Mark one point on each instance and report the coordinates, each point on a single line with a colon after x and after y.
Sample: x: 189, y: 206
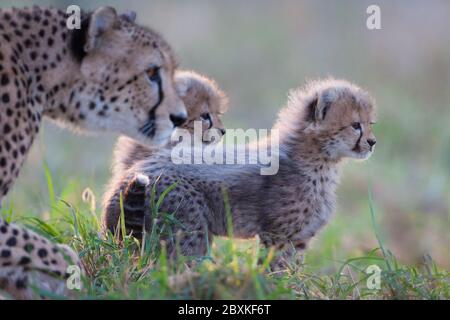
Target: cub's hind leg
x: 136, y: 206
x: 180, y: 219
x: 132, y: 192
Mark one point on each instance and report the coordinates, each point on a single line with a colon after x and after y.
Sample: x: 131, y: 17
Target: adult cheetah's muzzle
x: 178, y: 119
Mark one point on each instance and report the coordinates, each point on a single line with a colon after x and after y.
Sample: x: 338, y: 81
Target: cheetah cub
x: 205, y: 103
x: 321, y: 125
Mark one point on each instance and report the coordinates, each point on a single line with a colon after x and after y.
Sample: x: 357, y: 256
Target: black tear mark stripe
x: 152, y: 115
x: 160, y: 98
x: 359, y: 139
x: 210, y: 121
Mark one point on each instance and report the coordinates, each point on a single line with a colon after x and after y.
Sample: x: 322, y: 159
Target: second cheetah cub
x: 321, y: 125
x: 205, y: 105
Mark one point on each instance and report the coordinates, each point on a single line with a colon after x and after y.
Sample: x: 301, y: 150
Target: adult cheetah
x: 109, y: 75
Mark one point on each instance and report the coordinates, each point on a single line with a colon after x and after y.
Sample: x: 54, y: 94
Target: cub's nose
x: 223, y: 131
x: 178, y: 119
x: 371, y: 142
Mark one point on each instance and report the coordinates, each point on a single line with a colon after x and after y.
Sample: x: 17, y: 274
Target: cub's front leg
x: 289, y: 255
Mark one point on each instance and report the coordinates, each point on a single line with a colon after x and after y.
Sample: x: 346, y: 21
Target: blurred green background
x: 257, y: 51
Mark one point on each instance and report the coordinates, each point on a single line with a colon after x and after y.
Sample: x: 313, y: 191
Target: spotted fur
x: 205, y: 103
x: 317, y: 131
x: 30, y: 262
x: 110, y: 75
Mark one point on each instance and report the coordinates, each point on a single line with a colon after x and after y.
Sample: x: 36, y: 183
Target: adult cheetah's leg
x: 28, y: 260
x: 13, y: 281
x: 24, y: 284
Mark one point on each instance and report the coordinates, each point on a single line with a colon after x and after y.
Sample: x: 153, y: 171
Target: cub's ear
x: 311, y: 110
x: 183, y: 83
x: 102, y: 20
x: 129, y: 16
x: 324, y: 101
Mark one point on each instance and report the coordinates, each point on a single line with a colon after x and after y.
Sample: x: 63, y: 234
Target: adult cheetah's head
x: 129, y: 69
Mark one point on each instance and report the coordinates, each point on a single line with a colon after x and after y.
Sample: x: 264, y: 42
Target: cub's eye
x: 356, y: 125
x: 205, y: 116
x: 153, y: 74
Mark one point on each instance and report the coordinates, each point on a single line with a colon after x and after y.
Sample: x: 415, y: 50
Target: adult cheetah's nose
x: 223, y: 131
x: 178, y: 119
x: 371, y: 142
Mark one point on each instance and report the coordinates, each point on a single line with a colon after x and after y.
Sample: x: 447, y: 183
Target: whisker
x: 147, y: 128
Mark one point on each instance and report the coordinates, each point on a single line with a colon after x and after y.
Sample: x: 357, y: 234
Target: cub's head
x: 338, y: 116
x: 205, y: 104
x: 128, y: 78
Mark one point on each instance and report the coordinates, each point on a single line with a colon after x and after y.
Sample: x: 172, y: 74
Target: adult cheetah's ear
x: 102, y: 20
x: 129, y: 16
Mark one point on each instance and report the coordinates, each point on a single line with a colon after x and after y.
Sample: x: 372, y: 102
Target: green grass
x: 409, y: 171
x: 233, y: 269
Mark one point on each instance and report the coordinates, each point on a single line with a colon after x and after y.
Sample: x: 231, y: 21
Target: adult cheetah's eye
x: 153, y: 74
x: 356, y: 125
